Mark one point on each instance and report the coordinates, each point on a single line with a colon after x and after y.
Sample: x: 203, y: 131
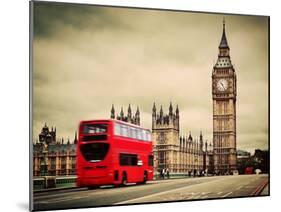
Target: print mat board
x: 143, y: 106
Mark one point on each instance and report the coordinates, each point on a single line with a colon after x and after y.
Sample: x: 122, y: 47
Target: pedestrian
x: 168, y: 173
x: 163, y: 174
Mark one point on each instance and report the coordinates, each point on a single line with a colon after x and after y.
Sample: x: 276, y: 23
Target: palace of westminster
x: 172, y: 150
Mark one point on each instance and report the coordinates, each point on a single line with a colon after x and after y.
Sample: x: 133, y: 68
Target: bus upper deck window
x: 144, y: 135
x: 139, y: 134
x: 148, y: 135
x: 133, y: 132
x: 124, y: 130
x: 130, y: 132
x: 117, y: 128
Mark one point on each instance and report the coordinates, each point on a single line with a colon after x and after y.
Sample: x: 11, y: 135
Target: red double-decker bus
x: 112, y: 152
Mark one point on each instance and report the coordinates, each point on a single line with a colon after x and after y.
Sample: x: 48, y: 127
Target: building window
x: 162, y: 138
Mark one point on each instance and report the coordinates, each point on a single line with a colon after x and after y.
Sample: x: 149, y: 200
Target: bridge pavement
x: 155, y: 191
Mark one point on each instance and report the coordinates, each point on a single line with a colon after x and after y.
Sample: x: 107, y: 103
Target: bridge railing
x: 45, y: 182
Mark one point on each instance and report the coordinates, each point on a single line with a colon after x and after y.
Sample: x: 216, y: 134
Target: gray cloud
x: 88, y: 58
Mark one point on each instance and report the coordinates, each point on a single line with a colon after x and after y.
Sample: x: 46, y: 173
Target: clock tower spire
x: 223, y: 43
x: 224, y: 110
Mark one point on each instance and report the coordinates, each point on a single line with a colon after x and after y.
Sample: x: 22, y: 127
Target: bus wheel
x: 124, y: 179
x: 144, y: 178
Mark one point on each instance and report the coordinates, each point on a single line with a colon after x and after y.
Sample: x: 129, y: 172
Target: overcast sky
x: 87, y: 58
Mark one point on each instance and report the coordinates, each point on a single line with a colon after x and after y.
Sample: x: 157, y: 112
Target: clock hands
x: 222, y: 85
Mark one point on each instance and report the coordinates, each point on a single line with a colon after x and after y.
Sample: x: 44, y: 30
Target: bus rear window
x: 94, y: 128
x: 94, y: 152
x: 98, y: 137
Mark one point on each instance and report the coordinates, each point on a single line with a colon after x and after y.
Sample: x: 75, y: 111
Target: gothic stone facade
x: 224, y: 110
x: 130, y: 118
x: 179, y: 154
x: 58, y: 157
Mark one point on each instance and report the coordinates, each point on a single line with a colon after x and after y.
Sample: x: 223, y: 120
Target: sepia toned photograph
x: 137, y: 105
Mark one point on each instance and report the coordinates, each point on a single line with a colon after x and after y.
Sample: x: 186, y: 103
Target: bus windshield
x: 94, y: 128
x: 94, y: 152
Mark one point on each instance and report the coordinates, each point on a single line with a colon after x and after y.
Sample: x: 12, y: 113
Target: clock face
x: 222, y: 85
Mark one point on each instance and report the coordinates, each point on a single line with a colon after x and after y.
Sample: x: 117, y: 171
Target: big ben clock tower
x: 224, y: 110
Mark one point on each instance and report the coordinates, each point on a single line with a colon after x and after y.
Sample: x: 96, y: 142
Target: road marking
x: 196, y: 197
x: 201, y: 195
x: 238, y: 188
x: 250, y: 186
x: 227, y: 194
x: 204, y: 193
x: 189, y: 197
x: 259, y: 189
x: 161, y: 193
x: 85, y: 191
x: 205, y: 197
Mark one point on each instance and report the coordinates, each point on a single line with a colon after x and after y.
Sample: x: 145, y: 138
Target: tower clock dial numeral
x: 222, y: 85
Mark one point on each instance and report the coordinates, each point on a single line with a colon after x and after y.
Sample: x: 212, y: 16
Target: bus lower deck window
x: 128, y: 159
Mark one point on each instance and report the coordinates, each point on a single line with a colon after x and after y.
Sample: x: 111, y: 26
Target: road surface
x: 155, y: 191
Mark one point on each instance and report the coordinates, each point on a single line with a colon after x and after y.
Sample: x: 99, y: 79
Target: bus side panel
x: 134, y: 173
x: 117, y: 172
